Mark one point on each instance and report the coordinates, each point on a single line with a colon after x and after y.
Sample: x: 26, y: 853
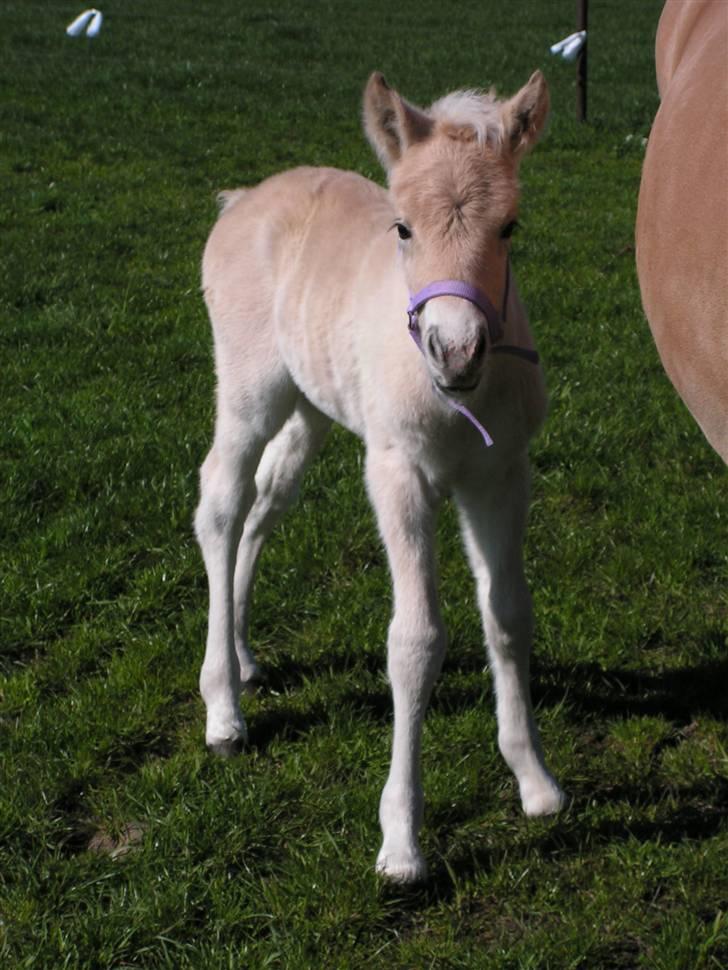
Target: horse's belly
x: 682, y: 220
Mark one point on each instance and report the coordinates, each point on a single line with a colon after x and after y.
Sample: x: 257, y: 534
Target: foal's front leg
x: 493, y: 518
x: 406, y: 508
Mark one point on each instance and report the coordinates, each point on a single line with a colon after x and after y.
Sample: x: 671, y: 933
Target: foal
x: 307, y: 279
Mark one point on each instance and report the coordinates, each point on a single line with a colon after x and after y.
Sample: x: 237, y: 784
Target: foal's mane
x: 478, y: 111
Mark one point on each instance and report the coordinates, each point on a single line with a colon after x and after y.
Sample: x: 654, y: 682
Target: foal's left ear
x: 524, y: 115
x: 391, y: 123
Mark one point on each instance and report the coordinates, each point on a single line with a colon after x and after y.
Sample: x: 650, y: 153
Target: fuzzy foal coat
x: 307, y: 286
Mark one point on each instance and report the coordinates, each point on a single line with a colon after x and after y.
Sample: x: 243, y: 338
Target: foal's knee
x: 415, y: 653
x: 509, y: 617
x: 225, y: 497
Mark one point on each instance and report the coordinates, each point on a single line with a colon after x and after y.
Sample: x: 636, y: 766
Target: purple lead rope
x: 495, y: 321
x: 455, y: 405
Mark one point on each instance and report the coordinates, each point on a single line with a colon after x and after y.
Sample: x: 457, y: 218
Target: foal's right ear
x: 390, y: 122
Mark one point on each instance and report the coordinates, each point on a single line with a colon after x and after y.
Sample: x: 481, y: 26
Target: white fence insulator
x: 89, y: 21
x: 95, y: 26
x: 570, y: 46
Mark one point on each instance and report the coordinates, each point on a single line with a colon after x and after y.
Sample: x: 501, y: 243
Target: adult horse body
x: 682, y: 219
x: 307, y: 292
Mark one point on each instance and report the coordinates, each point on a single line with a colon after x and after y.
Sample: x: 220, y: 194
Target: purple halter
x: 494, y: 319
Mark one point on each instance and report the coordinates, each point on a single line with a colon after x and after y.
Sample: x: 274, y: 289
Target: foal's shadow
x: 291, y: 721
x: 680, y: 694
x: 571, y: 835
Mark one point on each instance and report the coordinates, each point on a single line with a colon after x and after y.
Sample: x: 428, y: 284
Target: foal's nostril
x: 435, y: 348
x: 479, y: 349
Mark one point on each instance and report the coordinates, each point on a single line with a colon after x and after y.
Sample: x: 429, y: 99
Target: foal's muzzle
x: 466, y: 379
x: 465, y: 291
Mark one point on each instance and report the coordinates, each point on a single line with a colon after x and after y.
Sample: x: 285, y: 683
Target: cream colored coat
x: 306, y: 279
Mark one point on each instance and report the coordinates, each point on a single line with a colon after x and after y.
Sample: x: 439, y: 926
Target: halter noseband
x: 494, y: 319
x: 465, y: 291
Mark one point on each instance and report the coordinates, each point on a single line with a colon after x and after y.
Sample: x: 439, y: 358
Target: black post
x: 582, y: 16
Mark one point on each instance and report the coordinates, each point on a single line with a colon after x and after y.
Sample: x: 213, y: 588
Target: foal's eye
x: 403, y: 231
x: 507, y: 231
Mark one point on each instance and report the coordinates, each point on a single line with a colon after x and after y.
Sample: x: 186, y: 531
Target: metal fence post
x: 582, y: 16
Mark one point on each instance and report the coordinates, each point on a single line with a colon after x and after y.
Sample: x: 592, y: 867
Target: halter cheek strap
x: 494, y: 319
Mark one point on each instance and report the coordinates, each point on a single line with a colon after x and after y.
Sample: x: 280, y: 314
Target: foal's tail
x: 226, y: 200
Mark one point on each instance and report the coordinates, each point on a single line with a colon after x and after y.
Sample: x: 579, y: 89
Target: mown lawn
x: 122, y: 843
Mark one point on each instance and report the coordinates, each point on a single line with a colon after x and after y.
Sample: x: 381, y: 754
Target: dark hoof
x: 228, y: 748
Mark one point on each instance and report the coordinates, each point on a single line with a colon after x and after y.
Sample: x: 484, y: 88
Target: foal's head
x: 452, y: 172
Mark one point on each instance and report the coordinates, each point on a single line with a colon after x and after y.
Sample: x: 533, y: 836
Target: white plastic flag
x: 89, y: 20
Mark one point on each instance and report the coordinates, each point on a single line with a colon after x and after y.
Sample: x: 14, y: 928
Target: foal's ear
x: 524, y: 115
x: 390, y: 122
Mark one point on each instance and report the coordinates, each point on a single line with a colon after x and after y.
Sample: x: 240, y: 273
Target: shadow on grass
x: 680, y: 694
x: 293, y: 723
x: 74, y: 825
x: 285, y: 723
x: 293, y: 672
x: 700, y: 816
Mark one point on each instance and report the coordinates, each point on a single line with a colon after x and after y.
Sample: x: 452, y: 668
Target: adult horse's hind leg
x: 493, y: 521
x: 406, y: 509
x: 277, y: 479
x: 244, y: 425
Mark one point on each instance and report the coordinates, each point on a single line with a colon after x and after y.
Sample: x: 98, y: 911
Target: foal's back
x: 294, y: 271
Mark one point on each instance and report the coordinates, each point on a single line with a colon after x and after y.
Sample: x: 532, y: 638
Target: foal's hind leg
x: 227, y: 491
x: 493, y: 520
x: 406, y: 509
x: 281, y: 468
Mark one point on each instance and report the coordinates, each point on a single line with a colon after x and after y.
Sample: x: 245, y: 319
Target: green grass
x: 111, y: 154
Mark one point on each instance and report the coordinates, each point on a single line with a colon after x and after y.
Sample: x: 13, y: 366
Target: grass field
x: 122, y: 843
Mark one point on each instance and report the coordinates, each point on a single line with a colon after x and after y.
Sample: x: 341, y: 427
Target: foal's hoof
x: 545, y: 800
x: 252, y: 683
x: 227, y: 748
x: 405, y: 869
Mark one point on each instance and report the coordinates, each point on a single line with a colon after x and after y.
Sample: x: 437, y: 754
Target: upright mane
x: 476, y: 110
